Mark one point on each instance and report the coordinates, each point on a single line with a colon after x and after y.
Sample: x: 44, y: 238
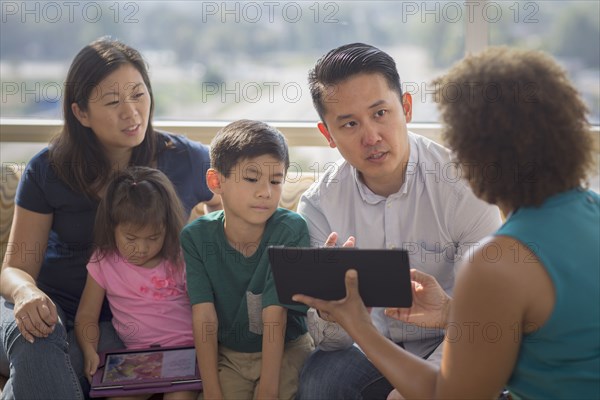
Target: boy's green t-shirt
x: 240, y: 287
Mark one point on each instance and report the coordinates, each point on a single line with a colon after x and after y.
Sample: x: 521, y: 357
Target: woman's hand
x: 331, y: 242
x: 430, y: 303
x: 350, y: 312
x: 35, y: 314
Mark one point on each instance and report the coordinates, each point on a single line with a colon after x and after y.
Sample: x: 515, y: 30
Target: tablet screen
x: 149, y: 365
x: 383, y: 275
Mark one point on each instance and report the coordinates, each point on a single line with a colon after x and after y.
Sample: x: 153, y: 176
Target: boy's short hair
x: 346, y: 61
x: 244, y: 139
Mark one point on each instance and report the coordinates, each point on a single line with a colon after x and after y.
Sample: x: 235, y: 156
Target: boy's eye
x: 112, y: 103
x: 381, y: 113
x: 350, y: 124
x: 275, y: 182
x: 253, y: 180
x: 130, y: 238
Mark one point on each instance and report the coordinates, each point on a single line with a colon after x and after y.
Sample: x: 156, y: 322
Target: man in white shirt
x: 392, y: 189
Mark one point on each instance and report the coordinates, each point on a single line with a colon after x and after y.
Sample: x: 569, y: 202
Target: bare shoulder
x: 485, y: 320
x: 507, y: 275
x: 500, y: 257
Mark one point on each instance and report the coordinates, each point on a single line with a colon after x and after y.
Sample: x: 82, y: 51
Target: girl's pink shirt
x: 150, y: 306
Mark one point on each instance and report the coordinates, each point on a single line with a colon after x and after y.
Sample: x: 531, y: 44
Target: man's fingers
x: 415, y: 285
x: 350, y: 242
x: 402, y: 314
x: 419, y: 276
x: 390, y: 312
x: 331, y: 239
x: 414, y: 274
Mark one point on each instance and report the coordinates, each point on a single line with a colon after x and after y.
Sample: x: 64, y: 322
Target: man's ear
x: 81, y: 115
x: 325, y: 132
x: 407, y: 106
x: 213, y: 181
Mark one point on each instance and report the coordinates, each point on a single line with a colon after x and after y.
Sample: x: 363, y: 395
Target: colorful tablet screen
x: 149, y: 366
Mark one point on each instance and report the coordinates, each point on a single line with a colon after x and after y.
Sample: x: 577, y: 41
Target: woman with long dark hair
x: 108, y: 107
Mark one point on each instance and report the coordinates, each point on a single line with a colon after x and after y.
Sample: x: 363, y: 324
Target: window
x: 217, y: 60
x: 569, y: 30
x: 224, y: 60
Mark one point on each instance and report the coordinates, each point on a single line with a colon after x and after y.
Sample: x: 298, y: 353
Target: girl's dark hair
x: 517, y: 126
x: 75, y: 153
x: 245, y: 139
x: 140, y: 196
x: 346, y: 61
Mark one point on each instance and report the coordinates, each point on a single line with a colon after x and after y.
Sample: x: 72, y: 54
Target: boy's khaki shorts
x: 239, y: 373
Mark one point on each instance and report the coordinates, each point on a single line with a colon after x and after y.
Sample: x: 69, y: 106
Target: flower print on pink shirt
x: 162, y: 288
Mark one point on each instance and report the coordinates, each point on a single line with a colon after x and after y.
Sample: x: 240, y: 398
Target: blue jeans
x: 343, y: 374
x: 50, y: 368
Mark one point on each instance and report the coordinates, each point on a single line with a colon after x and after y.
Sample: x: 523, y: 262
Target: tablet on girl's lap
x: 143, y: 371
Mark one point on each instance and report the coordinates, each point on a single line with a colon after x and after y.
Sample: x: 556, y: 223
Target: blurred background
x: 225, y: 60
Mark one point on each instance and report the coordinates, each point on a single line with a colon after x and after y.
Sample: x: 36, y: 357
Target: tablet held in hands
x: 384, y: 275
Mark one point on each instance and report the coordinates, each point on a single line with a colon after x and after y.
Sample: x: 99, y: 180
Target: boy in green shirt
x: 248, y: 345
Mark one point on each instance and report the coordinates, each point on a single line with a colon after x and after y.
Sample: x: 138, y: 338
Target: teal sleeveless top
x: 561, y: 359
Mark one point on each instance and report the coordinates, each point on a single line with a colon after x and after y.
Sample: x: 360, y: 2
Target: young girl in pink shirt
x: 138, y: 266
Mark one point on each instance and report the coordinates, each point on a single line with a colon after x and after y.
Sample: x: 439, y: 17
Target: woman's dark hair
x: 516, y: 125
x: 245, y: 139
x: 346, y: 61
x: 140, y: 196
x: 75, y: 153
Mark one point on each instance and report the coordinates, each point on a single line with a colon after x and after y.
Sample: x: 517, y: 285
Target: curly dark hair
x: 516, y: 124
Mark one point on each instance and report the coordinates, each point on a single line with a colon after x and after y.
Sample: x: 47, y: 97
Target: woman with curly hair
x: 525, y: 311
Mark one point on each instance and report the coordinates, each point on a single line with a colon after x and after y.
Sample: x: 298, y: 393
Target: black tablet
x: 383, y: 275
